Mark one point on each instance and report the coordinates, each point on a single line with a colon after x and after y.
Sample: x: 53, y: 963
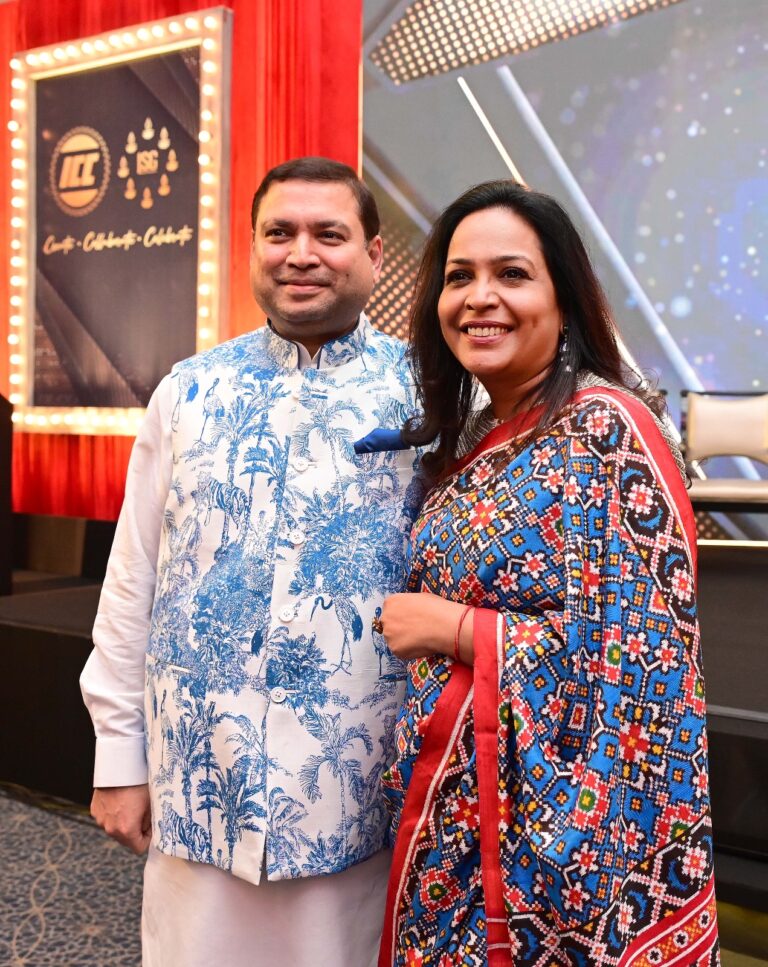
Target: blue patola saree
x: 551, y: 803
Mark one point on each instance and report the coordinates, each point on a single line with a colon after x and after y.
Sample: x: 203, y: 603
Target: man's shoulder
x: 388, y: 349
x: 230, y: 353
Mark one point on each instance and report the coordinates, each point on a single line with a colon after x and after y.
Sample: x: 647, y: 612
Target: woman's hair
x: 445, y: 388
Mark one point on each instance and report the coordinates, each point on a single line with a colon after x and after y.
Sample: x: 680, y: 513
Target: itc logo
x: 80, y: 169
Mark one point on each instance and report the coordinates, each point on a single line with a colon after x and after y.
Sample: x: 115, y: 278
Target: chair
x: 719, y: 424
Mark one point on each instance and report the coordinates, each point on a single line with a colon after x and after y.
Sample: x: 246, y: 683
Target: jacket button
x: 297, y: 537
x: 300, y: 464
x: 278, y: 694
x: 286, y: 614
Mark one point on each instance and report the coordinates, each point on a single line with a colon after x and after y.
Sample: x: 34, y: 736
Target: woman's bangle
x: 464, y: 614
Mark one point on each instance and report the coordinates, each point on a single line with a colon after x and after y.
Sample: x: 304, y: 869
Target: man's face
x: 312, y: 270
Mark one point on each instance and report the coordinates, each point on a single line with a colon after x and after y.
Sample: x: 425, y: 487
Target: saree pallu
x: 551, y: 803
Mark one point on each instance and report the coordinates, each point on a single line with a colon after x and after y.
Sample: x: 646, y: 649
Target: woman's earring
x: 564, y: 349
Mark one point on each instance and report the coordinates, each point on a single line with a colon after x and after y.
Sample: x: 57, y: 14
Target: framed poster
x: 120, y: 218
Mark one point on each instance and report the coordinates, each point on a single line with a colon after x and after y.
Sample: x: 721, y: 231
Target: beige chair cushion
x: 733, y: 489
x: 727, y: 427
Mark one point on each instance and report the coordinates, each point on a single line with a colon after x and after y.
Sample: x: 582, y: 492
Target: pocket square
x: 379, y: 440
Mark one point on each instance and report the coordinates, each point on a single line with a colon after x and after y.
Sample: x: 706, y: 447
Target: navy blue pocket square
x: 381, y: 439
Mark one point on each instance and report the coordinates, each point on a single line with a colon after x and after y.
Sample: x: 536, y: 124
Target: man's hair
x: 322, y: 170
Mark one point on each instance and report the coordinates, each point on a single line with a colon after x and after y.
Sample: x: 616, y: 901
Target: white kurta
x: 195, y: 915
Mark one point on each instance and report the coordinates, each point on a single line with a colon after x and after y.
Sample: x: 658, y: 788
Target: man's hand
x: 123, y: 813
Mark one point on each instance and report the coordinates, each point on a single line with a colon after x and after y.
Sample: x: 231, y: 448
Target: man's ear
x: 376, y: 255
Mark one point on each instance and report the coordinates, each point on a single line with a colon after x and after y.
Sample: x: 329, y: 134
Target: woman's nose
x: 482, y: 294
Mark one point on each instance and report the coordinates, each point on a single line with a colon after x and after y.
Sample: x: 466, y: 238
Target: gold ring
x: 377, y: 626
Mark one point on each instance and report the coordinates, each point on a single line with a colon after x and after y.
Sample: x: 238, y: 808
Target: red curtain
x: 295, y: 91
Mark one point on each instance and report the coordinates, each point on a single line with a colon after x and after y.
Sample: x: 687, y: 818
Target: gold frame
x: 209, y: 29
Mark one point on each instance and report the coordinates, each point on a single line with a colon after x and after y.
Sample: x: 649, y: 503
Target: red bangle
x: 464, y: 614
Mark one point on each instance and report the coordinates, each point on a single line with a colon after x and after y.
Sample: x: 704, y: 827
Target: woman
x: 550, y: 787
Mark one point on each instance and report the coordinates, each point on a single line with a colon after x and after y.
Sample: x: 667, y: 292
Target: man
x: 243, y: 709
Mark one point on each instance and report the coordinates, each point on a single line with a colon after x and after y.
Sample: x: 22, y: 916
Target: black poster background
x: 109, y: 324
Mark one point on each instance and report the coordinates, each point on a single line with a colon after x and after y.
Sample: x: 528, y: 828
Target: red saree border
x: 503, y: 433
x: 488, y: 640
x: 437, y: 745
x: 660, y: 934
x: 657, y: 451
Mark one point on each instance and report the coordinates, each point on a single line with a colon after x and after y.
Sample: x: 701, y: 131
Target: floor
x: 70, y: 897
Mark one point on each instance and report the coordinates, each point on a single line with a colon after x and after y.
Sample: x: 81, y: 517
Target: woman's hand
x: 418, y: 625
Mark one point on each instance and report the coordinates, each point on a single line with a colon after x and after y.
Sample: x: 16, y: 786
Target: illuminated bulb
x: 18, y: 163
x: 15, y: 244
x: 206, y: 201
x: 72, y: 51
x: 211, y: 23
x: 15, y: 378
x: 17, y: 143
x: 17, y: 202
x: 17, y: 222
x: 206, y: 245
x: 18, y: 84
x: 175, y: 27
x: 15, y: 64
x: 101, y: 46
x: 14, y: 339
x: 204, y: 312
x: 209, y: 90
x: 206, y: 115
x: 143, y: 34
x: 15, y: 398
x: 204, y: 136
x: 16, y: 320
x: 17, y: 104
x: 204, y: 289
x: 68, y: 419
x: 16, y: 281
x: 209, y: 44
x: 129, y: 38
x: 191, y: 23
x: 206, y: 268
x: 157, y: 31
x: 31, y: 59
x: 205, y: 333
x: 206, y: 223
x: 18, y: 184
x: 207, y: 177
x: 16, y: 360
x: 203, y: 159
x: 55, y: 419
x: 209, y: 67
x: 116, y: 40
x: 17, y: 261
x: 13, y: 125
x: 42, y: 421
x: 86, y: 47
x: 15, y: 300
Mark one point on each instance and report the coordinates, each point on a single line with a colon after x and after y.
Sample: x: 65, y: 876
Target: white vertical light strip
x: 685, y: 371
x: 397, y: 196
x: 489, y: 129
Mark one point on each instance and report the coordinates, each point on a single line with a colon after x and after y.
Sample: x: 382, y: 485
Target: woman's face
x: 498, y: 310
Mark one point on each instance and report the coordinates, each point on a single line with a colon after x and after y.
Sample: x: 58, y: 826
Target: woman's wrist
x: 460, y: 636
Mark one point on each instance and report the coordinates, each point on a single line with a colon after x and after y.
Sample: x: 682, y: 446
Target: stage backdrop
x: 295, y: 91
x: 116, y: 205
